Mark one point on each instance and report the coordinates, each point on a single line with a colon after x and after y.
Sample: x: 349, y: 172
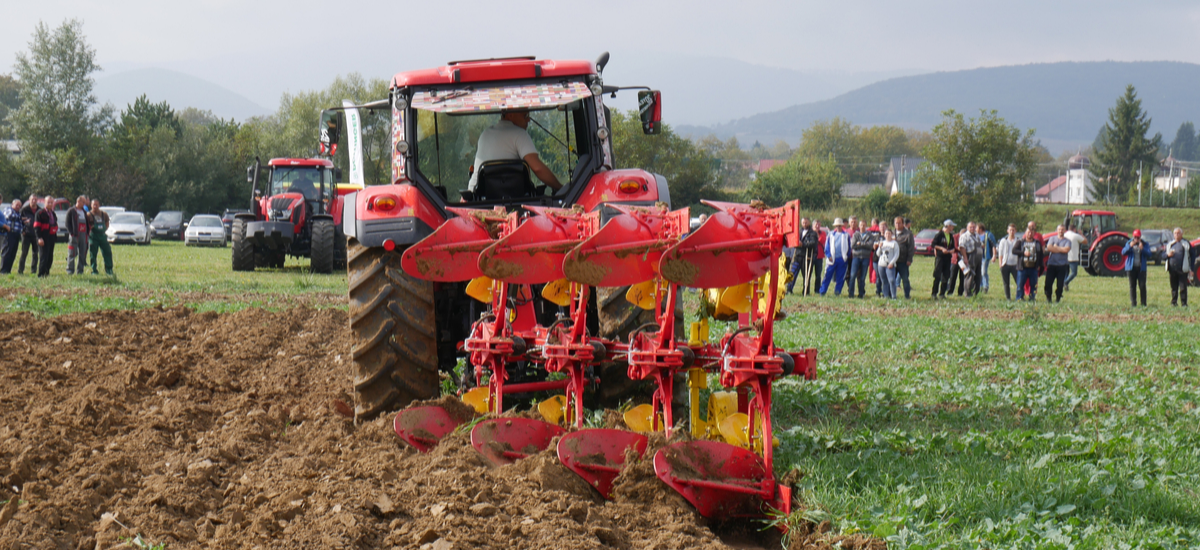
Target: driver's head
x: 519, y: 117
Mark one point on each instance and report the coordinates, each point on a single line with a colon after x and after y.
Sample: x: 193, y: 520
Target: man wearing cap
x: 1135, y: 253
x: 509, y: 140
x: 943, y: 250
x: 837, y: 253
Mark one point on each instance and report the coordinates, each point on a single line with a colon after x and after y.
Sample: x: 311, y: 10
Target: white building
x: 1076, y: 187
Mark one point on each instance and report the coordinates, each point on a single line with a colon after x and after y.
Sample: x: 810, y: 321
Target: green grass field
x: 168, y: 273
x: 965, y: 423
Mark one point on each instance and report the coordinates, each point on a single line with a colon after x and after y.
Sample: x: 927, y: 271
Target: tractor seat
x: 503, y: 179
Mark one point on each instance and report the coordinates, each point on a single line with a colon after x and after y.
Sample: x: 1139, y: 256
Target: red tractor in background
x: 300, y: 215
x: 1102, y: 255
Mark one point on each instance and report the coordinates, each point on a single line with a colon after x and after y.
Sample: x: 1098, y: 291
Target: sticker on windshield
x: 529, y: 96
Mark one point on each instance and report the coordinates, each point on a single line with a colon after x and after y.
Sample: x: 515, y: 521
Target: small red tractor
x: 573, y: 293
x: 1102, y: 254
x: 300, y: 215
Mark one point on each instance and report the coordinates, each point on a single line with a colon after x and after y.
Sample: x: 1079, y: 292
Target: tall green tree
x: 10, y: 100
x: 979, y: 169
x: 1186, y: 145
x: 817, y: 183
x: 735, y: 166
x: 859, y: 152
x: 1123, y: 146
x: 58, y: 123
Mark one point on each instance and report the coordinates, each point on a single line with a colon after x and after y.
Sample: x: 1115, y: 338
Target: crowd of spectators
x: 33, y: 226
x: 851, y: 255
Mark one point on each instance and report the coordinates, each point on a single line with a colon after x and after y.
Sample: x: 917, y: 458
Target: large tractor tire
x: 1106, y: 258
x: 618, y: 318
x: 243, y: 250
x: 322, y: 255
x: 394, y: 342
x: 339, y: 249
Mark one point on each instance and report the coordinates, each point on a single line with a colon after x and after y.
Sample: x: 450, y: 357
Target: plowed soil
x: 228, y: 431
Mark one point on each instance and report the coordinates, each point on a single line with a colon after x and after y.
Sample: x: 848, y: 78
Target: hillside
x: 1065, y: 102
x: 177, y: 89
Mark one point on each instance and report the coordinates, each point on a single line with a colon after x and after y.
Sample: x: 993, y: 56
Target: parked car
x: 923, y: 242
x: 1157, y: 239
x: 110, y: 210
x: 205, y: 229
x: 129, y: 227
x: 168, y: 224
x: 227, y: 220
x: 61, y: 206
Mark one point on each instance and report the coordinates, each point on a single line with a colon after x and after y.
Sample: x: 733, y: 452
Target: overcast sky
x: 237, y: 43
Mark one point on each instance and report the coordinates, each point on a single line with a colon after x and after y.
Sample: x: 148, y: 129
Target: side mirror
x: 250, y: 174
x: 337, y: 175
x: 330, y: 129
x: 650, y: 109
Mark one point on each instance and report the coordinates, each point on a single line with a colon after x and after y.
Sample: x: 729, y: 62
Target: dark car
x: 168, y: 224
x: 1157, y: 239
x: 923, y: 242
x: 61, y: 207
x: 227, y: 220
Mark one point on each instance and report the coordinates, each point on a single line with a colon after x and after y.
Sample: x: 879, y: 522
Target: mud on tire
x: 243, y: 250
x: 394, y: 338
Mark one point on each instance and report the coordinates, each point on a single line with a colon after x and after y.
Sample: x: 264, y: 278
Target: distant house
x: 767, y: 164
x: 900, y: 173
x: 1172, y: 175
x: 1076, y: 187
x: 12, y: 147
x: 858, y: 190
x: 1053, y: 192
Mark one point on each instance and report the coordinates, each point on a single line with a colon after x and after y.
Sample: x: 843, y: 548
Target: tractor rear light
x: 629, y: 186
x: 383, y: 203
x: 389, y: 245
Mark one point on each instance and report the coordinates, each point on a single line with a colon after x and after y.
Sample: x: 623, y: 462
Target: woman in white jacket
x: 889, y: 252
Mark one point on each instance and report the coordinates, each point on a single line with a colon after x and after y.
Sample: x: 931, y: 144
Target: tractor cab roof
x: 490, y: 70
x: 301, y: 162
x: 1091, y: 212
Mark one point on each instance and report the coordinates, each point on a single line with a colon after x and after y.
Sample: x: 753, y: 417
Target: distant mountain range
x: 1066, y: 103
x: 177, y: 89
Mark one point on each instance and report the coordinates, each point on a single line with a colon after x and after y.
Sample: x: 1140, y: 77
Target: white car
x: 111, y: 210
x: 128, y: 227
x: 204, y: 229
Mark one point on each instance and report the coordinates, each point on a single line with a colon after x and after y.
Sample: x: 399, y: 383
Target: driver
x: 302, y: 185
x: 508, y: 140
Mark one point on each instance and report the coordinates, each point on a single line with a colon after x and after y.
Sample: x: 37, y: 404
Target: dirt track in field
x: 223, y: 431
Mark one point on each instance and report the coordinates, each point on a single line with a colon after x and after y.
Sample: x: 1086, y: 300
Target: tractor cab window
x: 450, y: 121
x: 305, y: 180
x: 1107, y: 223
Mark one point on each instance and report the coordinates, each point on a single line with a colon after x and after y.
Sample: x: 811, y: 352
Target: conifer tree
x: 1122, y: 146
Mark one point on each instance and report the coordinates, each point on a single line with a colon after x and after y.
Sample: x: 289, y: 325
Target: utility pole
x: 1139, y: 173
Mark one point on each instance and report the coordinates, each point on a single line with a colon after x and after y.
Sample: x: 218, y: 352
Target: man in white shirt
x: 508, y: 140
x: 1077, y: 243
x: 1006, y: 259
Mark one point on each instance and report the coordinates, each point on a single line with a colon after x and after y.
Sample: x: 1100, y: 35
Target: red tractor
x: 300, y: 216
x: 407, y: 329
x: 1102, y: 256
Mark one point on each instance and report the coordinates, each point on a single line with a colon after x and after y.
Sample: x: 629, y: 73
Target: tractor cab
x: 1093, y: 223
x: 313, y: 184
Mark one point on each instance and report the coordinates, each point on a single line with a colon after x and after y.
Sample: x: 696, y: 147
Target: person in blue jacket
x: 837, y: 253
x: 1135, y: 253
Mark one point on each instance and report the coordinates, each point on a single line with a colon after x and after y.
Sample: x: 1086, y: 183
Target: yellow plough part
x: 641, y: 418
x: 477, y: 398
x: 697, y: 381
x: 642, y: 294
x: 558, y: 292
x: 554, y: 410
x: 480, y: 288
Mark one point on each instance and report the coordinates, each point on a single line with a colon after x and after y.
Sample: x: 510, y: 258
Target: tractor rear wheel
x: 394, y: 332
x: 322, y: 253
x: 243, y: 250
x: 1106, y: 257
x: 618, y: 318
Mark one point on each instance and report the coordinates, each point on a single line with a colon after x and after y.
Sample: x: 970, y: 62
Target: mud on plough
x: 726, y: 470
